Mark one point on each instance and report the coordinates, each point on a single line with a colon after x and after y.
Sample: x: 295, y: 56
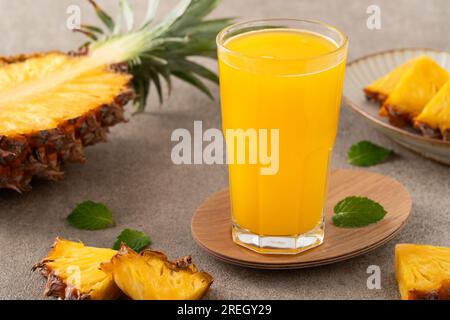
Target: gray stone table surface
x: 133, y: 173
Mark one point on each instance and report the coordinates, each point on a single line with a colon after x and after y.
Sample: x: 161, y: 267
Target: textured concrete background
x: 134, y: 176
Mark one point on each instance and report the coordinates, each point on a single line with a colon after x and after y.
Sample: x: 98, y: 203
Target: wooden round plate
x: 211, y: 224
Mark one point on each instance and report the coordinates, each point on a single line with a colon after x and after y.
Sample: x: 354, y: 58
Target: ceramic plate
x: 364, y: 71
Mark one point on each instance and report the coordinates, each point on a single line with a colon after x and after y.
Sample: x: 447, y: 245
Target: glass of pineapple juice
x: 287, y: 75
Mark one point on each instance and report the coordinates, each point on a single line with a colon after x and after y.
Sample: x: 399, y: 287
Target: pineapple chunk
x: 423, y: 272
x: 414, y: 90
x: 381, y: 88
x: 436, y: 114
x: 150, y: 276
x: 73, y: 272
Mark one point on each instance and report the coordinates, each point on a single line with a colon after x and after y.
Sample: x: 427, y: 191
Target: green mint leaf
x: 90, y: 215
x: 365, y: 154
x: 354, y: 212
x: 136, y: 240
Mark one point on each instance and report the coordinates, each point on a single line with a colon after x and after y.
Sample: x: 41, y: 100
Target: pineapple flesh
x: 434, y: 120
x: 47, y: 109
x: 150, y: 276
x: 52, y: 105
x: 420, y: 82
x: 381, y: 88
x: 73, y: 272
x: 423, y: 272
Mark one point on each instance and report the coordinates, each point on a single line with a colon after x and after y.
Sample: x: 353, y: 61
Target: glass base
x: 278, y: 244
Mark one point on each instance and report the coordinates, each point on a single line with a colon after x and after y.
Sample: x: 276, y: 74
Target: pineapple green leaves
x: 163, y: 48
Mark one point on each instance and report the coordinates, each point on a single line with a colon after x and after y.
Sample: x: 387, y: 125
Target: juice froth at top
x: 281, y: 44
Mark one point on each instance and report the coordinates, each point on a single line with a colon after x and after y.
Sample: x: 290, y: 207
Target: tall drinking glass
x: 281, y: 84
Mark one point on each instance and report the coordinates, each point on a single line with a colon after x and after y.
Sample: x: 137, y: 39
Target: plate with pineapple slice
x: 405, y: 93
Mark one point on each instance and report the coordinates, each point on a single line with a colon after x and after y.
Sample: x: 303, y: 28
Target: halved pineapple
x: 51, y: 106
x: 415, y: 89
x: 423, y: 272
x: 150, y: 276
x: 381, y: 88
x: 434, y: 120
x: 73, y: 272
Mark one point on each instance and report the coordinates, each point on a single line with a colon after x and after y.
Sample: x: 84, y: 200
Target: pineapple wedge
x: 381, y: 88
x: 73, y: 272
x: 434, y: 120
x: 414, y: 90
x: 150, y: 276
x: 423, y: 272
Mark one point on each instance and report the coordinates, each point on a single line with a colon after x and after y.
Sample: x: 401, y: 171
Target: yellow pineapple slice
x: 150, y: 276
x: 381, y: 88
x: 434, y: 120
x: 73, y: 272
x: 423, y: 272
x: 414, y: 90
x: 44, y: 110
x: 52, y: 105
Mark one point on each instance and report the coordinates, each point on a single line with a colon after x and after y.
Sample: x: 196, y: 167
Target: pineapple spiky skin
x: 67, y: 258
x: 149, y: 275
x: 41, y: 153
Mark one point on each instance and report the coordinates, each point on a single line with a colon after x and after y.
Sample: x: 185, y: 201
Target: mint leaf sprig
x: 354, y: 212
x: 366, y: 154
x: 90, y: 215
x: 134, y: 239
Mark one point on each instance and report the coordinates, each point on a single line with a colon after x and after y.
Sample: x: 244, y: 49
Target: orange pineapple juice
x: 288, y: 80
